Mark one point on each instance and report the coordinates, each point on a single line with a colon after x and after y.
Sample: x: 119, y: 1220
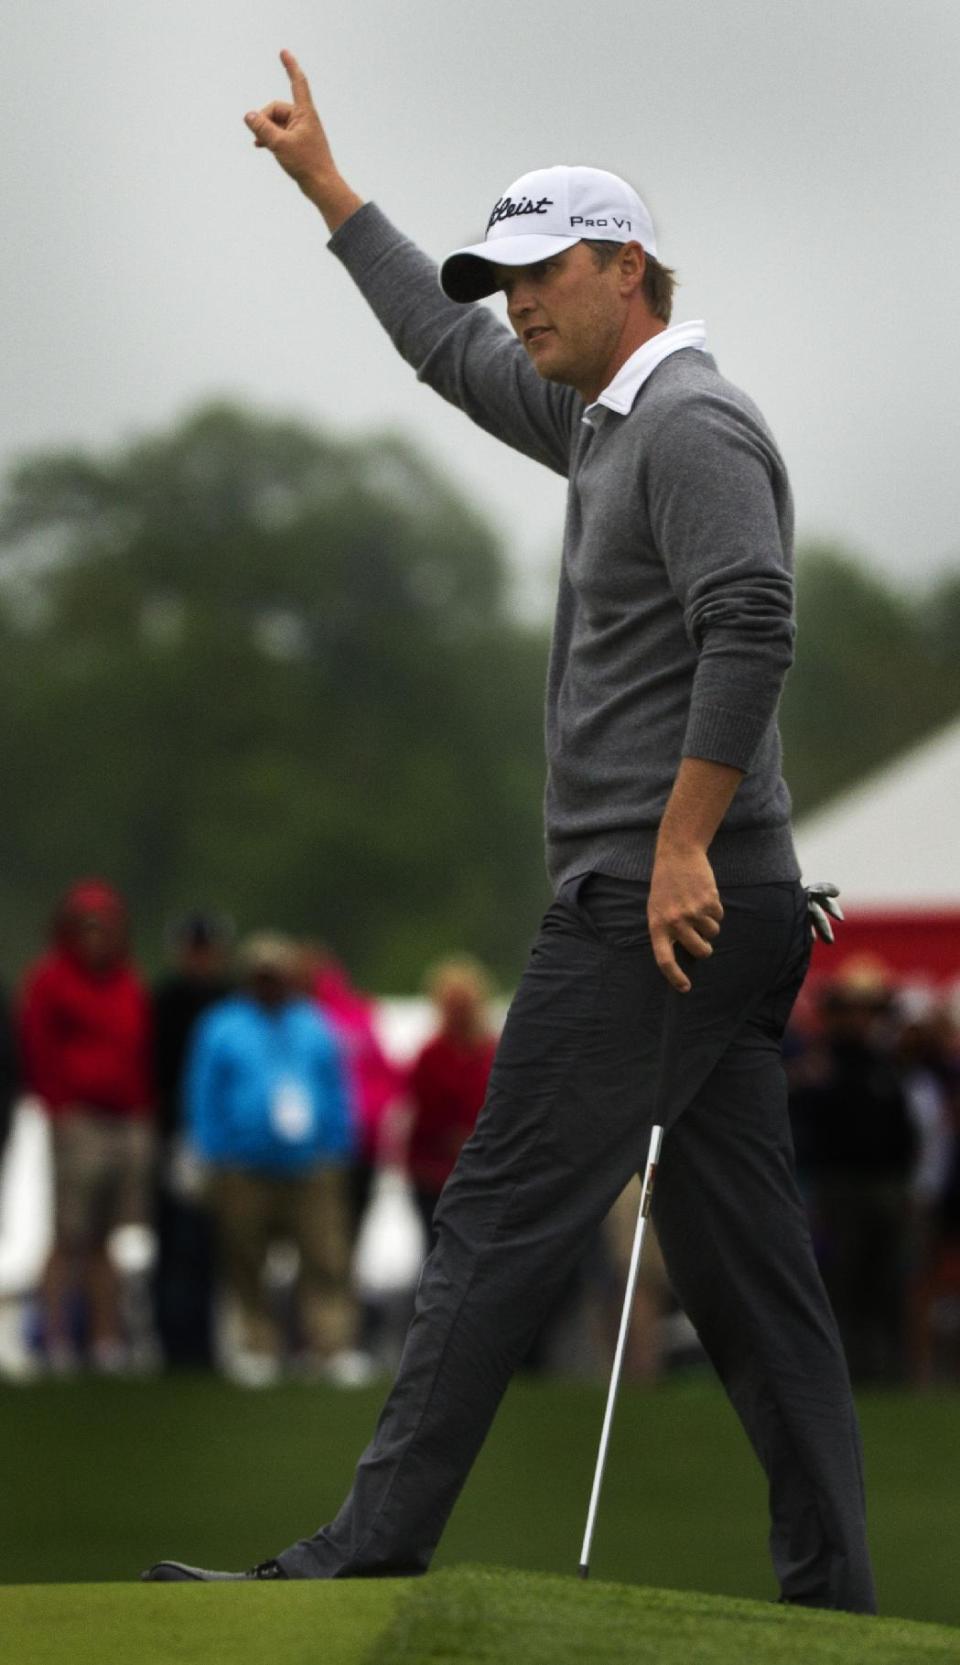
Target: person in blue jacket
x: 268, y: 1110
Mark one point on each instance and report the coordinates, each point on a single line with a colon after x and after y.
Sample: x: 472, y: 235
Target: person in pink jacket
x: 377, y: 1083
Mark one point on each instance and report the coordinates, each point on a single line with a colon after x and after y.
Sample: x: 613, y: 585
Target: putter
x: 668, y: 1054
x: 821, y: 902
x: 653, y: 1155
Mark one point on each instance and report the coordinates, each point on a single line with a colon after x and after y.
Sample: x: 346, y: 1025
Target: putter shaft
x: 653, y: 1156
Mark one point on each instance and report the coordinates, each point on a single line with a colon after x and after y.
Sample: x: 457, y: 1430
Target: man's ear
x: 632, y: 264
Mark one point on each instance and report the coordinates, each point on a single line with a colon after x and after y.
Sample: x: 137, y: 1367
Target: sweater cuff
x: 723, y: 736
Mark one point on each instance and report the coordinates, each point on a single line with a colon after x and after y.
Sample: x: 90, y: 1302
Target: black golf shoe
x: 177, y: 1572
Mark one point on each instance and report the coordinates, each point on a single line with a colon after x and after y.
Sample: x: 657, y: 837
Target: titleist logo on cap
x: 506, y: 209
x: 543, y: 213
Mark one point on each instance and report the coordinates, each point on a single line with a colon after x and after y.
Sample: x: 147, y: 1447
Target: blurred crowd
x: 874, y: 1073
x: 219, y: 1141
x: 243, y: 1176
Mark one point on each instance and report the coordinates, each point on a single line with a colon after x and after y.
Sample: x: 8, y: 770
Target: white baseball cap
x: 543, y: 213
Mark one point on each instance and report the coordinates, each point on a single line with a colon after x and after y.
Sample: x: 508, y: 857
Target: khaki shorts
x: 102, y: 1172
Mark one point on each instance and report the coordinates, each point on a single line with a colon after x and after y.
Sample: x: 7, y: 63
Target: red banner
x: 916, y: 947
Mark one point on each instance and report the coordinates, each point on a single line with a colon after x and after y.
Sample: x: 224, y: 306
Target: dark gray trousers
x: 595, y: 1048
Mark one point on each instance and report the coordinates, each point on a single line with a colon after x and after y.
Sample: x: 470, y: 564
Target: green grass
x: 486, y: 1616
x: 100, y: 1478
x: 175, y: 1624
x: 461, y: 1616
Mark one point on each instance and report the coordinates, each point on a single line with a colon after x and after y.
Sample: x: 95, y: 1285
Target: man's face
x: 202, y: 961
x: 270, y: 989
x: 569, y: 314
x: 98, y: 940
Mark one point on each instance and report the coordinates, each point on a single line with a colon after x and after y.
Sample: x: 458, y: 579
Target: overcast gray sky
x: 800, y: 161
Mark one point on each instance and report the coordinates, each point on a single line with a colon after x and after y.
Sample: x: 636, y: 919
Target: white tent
x: 893, y: 841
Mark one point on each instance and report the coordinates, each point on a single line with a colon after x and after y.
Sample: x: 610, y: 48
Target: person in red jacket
x: 448, y: 1080
x: 85, y: 1044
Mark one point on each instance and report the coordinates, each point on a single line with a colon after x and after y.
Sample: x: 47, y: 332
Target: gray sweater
x: 674, y: 623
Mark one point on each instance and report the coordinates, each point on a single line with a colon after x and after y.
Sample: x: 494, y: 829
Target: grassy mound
x: 461, y: 1616
x: 488, y: 1616
x: 100, y: 1478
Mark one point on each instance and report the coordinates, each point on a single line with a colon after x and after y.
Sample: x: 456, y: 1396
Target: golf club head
x: 820, y: 925
x: 821, y: 901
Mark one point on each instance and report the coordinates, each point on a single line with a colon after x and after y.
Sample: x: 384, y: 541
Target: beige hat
x: 267, y: 953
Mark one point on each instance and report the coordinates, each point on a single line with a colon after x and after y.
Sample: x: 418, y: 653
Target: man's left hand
x: 684, y: 910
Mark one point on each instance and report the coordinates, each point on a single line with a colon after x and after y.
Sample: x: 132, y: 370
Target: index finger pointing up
x: 298, y: 81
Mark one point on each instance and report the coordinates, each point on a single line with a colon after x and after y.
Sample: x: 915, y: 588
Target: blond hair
x: 458, y: 968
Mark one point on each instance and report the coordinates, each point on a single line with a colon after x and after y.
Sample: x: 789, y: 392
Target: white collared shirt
x: 620, y: 394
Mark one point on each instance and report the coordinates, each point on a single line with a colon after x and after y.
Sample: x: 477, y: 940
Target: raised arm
x: 463, y: 352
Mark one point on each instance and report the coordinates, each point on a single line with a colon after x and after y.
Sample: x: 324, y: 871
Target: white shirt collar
x: 620, y: 394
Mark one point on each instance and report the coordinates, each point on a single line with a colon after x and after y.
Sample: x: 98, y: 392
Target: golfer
x: 677, y: 897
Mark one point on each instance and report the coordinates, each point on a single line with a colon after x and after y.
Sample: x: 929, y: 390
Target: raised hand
x: 294, y: 134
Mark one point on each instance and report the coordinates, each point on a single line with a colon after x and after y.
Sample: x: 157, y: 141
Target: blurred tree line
x: 247, y: 665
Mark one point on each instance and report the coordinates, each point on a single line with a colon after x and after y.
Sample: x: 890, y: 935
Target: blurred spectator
x: 269, y: 1112
x: 376, y: 1084
x: 9, y: 1072
x: 921, y: 1063
x: 85, y: 1040
x: 859, y: 1146
x: 448, y: 1080
x: 928, y: 1050
x: 199, y: 946
x: 948, y: 1066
